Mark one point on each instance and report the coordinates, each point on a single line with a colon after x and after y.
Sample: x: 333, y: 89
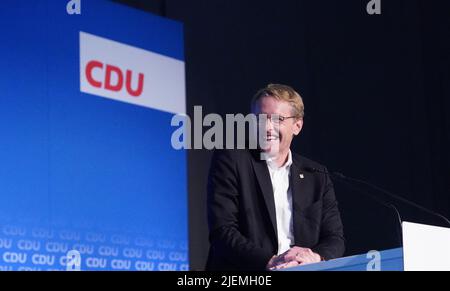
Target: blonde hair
x: 283, y: 93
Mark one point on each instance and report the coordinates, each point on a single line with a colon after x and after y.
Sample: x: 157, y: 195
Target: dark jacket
x: 241, y: 211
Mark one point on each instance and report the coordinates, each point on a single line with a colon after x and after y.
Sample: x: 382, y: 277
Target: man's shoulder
x: 234, y: 155
x: 305, y: 162
x: 239, y: 155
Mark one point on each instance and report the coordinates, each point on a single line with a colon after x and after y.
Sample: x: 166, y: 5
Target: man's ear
x: 298, y: 125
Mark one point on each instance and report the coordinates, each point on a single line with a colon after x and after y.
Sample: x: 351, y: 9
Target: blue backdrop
x: 78, y: 171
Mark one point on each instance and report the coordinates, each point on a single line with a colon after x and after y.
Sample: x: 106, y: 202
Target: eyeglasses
x: 274, y: 118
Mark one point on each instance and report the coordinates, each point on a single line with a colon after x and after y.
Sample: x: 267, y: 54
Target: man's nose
x: 269, y: 126
x: 272, y: 125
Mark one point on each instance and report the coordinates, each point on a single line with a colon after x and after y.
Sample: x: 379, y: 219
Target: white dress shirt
x: 283, y: 202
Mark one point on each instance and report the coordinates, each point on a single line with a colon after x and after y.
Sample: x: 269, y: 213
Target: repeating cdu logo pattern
x: 37, y: 249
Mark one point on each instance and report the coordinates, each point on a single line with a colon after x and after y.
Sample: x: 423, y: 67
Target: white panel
x: 164, y: 78
x: 426, y: 247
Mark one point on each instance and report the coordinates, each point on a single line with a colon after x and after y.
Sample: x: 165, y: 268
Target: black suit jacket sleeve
x: 223, y: 215
x: 331, y: 241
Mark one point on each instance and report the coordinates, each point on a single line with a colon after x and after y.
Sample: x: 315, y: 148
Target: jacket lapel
x: 300, y: 183
x: 265, y: 183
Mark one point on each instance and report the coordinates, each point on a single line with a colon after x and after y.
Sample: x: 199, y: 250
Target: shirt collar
x: 272, y: 165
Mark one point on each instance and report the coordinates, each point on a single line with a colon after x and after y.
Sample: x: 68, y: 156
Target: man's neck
x: 281, y: 158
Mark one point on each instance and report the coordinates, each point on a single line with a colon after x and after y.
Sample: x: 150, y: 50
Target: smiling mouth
x: 271, y: 137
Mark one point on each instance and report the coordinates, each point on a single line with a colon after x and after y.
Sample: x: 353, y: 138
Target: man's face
x: 278, y: 135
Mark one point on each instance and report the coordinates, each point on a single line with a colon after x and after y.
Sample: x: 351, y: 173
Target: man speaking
x: 271, y: 213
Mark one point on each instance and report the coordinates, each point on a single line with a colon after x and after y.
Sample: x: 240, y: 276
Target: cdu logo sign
x: 129, y: 74
x: 110, y: 72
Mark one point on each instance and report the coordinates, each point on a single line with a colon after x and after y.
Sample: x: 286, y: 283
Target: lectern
x: 425, y: 248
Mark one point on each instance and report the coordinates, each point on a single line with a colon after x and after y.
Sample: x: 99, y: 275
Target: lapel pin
x: 301, y: 176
